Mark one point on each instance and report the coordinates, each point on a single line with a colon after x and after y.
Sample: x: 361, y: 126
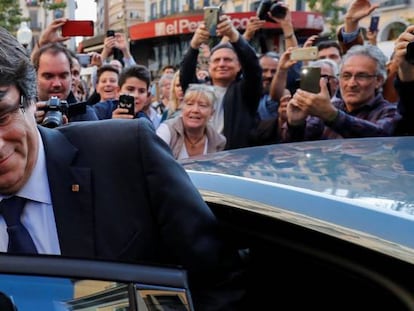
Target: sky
x: 86, y: 10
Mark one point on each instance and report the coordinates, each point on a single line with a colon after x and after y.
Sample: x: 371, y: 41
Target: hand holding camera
x: 56, y: 112
x: 271, y: 10
x: 403, y: 55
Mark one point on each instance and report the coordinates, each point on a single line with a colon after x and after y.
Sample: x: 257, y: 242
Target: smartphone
x: 110, y: 33
x: 84, y: 59
x: 373, y: 25
x: 211, y: 18
x: 128, y: 102
x: 309, y: 79
x: 310, y: 53
x: 74, y: 28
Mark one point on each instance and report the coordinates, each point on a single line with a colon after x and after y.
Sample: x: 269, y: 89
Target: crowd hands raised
x: 258, y: 99
x: 107, y: 189
x: 360, y: 92
x: 239, y: 99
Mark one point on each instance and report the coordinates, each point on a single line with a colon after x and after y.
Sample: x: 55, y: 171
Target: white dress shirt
x: 37, y: 217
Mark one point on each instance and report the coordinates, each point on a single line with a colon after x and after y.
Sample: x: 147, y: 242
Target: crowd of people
x: 71, y: 175
x: 258, y: 99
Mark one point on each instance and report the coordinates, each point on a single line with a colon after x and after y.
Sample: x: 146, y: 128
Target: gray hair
x: 206, y: 90
x: 326, y: 61
x: 372, y: 52
x: 165, y: 77
x: 16, y: 67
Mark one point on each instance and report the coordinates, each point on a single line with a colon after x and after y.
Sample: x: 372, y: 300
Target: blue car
x: 323, y: 225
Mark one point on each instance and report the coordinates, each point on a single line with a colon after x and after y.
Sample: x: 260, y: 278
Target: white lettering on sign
x: 314, y: 21
x: 240, y: 23
x: 160, y: 29
x: 180, y: 26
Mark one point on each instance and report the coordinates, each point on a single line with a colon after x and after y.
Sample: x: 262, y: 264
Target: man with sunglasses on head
x: 360, y: 112
x: 107, y: 189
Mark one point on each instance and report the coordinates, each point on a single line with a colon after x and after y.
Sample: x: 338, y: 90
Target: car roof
x: 359, y: 187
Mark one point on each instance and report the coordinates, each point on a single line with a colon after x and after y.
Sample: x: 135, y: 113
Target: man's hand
x: 40, y: 113
x: 109, y: 44
x: 310, y: 41
x: 51, y: 33
x: 121, y: 113
x: 225, y: 28
x: 201, y: 35
x: 96, y: 59
x: 284, y: 61
x: 358, y: 9
x: 405, y: 69
x: 253, y: 25
x: 296, y: 116
x: 318, y: 105
x: 122, y: 44
x: 372, y: 37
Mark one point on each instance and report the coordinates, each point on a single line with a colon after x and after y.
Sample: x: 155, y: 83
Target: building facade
x: 159, y: 30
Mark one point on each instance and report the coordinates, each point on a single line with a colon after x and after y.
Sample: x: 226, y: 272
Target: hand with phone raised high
x: 201, y: 35
x: 253, y: 25
x: 51, y: 34
x: 316, y: 104
x: 225, y: 28
x: 357, y: 10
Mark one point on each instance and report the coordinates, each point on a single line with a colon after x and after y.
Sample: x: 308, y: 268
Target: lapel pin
x: 75, y: 188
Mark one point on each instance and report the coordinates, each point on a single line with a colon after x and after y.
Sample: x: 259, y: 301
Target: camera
x: 56, y: 108
x: 275, y: 8
x: 409, y: 56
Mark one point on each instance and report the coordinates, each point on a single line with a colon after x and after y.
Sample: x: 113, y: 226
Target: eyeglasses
x: 9, y: 114
x: 359, y: 77
x: 328, y: 77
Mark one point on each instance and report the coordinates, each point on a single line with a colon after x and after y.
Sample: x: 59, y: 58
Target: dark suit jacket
x: 118, y: 193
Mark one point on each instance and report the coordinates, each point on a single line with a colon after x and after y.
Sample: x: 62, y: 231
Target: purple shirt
x: 378, y: 117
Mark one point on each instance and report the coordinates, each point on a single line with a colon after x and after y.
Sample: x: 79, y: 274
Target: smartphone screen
x: 211, y: 18
x: 309, y: 79
x: 127, y: 102
x: 74, y: 28
x: 84, y: 59
x: 373, y: 26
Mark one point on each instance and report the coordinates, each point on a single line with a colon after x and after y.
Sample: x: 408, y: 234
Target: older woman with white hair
x: 191, y: 134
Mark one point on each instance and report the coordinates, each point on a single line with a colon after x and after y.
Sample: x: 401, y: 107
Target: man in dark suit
x: 105, y: 189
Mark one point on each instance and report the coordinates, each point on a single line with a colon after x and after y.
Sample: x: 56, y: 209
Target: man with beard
x: 267, y: 108
x: 53, y: 63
